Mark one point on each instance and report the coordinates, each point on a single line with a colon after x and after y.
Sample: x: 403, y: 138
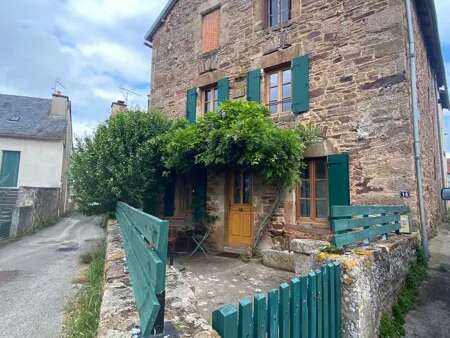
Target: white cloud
x: 443, y: 11
x: 111, y: 57
x: 83, y: 128
x: 112, y: 11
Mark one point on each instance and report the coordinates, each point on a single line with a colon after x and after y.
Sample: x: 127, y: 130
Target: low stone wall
x: 118, y: 314
x: 372, y: 276
x: 35, y: 207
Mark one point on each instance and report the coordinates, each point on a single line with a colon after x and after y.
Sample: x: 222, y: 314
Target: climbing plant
x: 240, y: 135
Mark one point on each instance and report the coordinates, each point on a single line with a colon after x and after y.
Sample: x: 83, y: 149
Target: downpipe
x: 415, y: 119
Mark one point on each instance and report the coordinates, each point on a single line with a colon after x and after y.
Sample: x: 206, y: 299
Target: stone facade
x: 359, y: 89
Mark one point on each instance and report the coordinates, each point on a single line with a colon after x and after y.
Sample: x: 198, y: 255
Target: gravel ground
x: 431, y: 317
x: 36, y: 276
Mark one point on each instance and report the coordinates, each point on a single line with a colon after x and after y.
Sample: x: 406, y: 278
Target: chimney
x: 118, y: 107
x: 60, y: 105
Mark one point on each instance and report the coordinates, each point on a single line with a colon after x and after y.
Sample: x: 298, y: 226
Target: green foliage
x: 391, y: 326
x: 82, y: 313
x: 240, y: 135
x: 122, y: 161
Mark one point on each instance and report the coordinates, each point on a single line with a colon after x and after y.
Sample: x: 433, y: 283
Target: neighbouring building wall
x: 359, y: 94
x: 432, y: 159
x: 41, y: 162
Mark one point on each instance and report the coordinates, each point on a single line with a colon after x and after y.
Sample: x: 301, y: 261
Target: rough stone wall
x: 372, y: 277
x: 359, y: 95
x: 35, y: 207
x: 429, y: 133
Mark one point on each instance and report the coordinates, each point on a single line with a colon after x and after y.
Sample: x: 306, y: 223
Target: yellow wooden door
x: 240, y: 215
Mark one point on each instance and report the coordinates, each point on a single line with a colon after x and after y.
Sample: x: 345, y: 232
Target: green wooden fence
x: 306, y: 307
x: 353, y: 224
x: 145, y: 241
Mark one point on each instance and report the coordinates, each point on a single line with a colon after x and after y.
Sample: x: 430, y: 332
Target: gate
x: 306, y: 307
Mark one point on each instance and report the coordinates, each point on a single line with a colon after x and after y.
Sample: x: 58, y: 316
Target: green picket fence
x: 145, y: 239
x: 354, y: 224
x: 306, y: 307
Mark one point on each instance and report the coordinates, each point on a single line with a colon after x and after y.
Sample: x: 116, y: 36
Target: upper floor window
x: 279, y: 12
x: 210, y: 99
x: 210, y: 31
x: 279, y: 91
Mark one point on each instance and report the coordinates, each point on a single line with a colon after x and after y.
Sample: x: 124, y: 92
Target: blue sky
x: 93, y: 47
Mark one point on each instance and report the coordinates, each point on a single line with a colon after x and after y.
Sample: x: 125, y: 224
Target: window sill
x: 277, y: 28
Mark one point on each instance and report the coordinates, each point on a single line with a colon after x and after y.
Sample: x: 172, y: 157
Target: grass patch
x: 82, y: 312
x: 391, y: 325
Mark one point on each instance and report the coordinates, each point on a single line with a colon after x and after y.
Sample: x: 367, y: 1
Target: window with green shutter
x: 9, y: 170
x: 300, y: 84
x: 338, y: 179
x: 254, y: 86
x: 223, y: 88
x: 191, y: 105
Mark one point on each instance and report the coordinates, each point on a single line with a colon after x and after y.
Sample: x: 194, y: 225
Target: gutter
x: 160, y: 20
x: 415, y: 119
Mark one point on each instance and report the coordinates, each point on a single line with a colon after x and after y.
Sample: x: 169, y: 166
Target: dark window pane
x: 287, y: 91
x: 273, y: 107
x: 216, y: 105
x: 247, y: 187
x: 322, y: 189
x: 322, y: 208
x: 274, y: 12
x: 287, y: 105
x: 321, y: 169
x: 273, y: 95
x: 274, y: 80
x: 237, y: 188
x: 305, y: 189
x: 305, y: 208
x: 207, y: 95
x: 287, y: 76
x: 304, y: 174
x: 284, y: 10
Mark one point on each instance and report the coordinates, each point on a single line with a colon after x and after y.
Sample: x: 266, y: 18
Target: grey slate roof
x: 28, y: 117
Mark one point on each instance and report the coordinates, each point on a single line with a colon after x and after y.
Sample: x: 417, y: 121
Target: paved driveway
x: 36, y: 276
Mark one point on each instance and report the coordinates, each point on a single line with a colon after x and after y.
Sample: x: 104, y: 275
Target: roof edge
x: 160, y: 20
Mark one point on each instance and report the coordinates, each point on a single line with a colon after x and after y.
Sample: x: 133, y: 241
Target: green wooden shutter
x: 338, y: 179
x: 223, y: 90
x: 9, y: 172
x: 254, y: 86
x: 300, y: 84
x: 191, y: 105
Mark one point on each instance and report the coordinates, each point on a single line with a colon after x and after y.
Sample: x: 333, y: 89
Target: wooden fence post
x: 245, y: 318
x: 225, y: 321
x: 260, y: 316
x: 304, y: 306
x: 337, y: 269
x: 312, y: 304
x: 273, y: 314
x: 285, y: 311
x: 332, y: 299
x: 319, y: 304
x: 325, y: 302
x: 295, y: 308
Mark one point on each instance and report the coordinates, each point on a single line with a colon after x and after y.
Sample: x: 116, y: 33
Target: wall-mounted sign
x: 405, y: 194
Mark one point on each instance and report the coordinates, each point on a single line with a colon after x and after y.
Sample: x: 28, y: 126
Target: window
x: 210, y: 99
x: 279, y: 91
x: 210, y: 31
x: 312, y: 193
x: 279, y: 12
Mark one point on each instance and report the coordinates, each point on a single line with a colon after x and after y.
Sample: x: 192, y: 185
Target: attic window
x: 14, y: 118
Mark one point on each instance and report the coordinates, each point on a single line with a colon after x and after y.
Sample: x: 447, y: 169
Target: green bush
x: 121, y: 161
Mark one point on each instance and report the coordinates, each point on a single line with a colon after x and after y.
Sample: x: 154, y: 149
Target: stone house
x: 344, y: 65
x: 35, y: 149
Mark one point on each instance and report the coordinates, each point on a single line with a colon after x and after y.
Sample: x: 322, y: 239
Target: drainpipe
x: 415, y: 115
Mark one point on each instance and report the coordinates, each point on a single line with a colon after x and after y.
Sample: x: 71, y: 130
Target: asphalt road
x: 36, y: 276
x: 431, y: 315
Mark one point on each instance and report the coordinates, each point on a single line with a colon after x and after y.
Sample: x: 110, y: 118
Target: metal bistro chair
x: 200, y: 241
